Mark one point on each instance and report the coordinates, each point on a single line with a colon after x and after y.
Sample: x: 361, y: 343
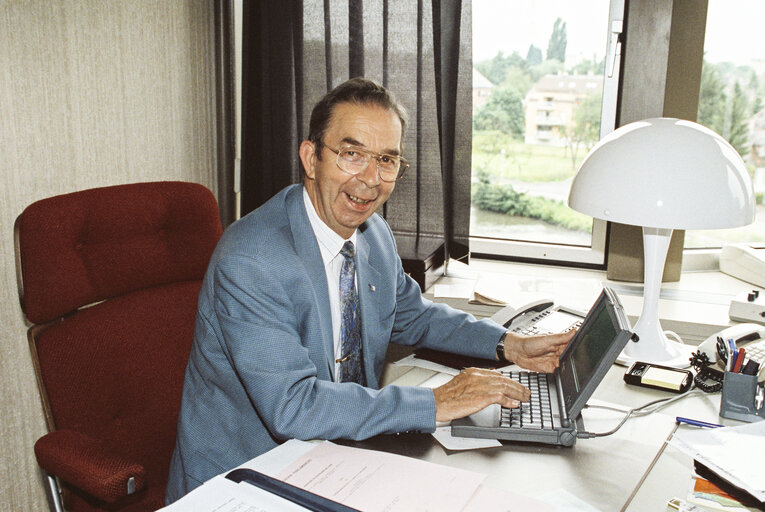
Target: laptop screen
x: 593, y: 350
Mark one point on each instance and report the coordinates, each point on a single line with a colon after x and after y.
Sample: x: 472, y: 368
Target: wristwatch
x: 501, y: 349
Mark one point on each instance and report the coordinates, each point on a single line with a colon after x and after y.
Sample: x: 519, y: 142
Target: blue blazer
x: 261, y: 368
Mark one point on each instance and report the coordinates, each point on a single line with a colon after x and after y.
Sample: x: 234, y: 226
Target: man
x: 303, y: 296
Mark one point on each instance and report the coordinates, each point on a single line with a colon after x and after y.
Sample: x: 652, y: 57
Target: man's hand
x: 536, y: 353
x: 474, y: 389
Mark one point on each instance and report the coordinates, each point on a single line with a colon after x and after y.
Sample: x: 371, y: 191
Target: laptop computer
x: 553, y: 416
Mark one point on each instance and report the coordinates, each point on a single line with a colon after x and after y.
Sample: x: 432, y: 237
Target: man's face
x: 344, y: 201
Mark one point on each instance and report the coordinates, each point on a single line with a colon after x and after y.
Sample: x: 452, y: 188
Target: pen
x: 731, y: 354
x: 696, y: 423
x: 739, y: 360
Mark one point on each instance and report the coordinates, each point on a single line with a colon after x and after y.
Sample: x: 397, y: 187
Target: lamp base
x: 666, y: 352
x: 652, y: 345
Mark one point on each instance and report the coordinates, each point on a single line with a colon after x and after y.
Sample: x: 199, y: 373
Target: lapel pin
x: 371, y: 287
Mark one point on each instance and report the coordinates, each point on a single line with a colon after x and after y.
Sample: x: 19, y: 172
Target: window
x: 731, y: 102
x: 544, y: 93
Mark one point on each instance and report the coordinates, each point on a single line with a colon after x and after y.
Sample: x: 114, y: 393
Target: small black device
x: 659, y: 377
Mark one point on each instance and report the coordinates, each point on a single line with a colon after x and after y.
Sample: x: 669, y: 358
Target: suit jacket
x: 262, y: 361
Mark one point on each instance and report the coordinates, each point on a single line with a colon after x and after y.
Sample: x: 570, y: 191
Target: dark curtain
x: 294, y: 51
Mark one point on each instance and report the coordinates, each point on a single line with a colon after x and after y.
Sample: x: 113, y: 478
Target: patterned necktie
x: 351, y: 364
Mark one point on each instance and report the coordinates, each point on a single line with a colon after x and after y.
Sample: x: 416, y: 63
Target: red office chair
x: 110, y: 278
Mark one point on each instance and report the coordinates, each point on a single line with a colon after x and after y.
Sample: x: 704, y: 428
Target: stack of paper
x: 735, y: 454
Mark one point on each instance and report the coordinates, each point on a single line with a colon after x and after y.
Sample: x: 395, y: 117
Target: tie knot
x: 348, y: 250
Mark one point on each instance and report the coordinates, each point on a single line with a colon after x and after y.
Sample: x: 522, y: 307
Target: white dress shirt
x: 330, y: 244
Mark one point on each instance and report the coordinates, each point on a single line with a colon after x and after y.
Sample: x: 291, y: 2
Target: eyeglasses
x: 354, y: 160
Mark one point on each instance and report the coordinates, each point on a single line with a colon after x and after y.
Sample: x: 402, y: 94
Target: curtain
x: 294, y: 51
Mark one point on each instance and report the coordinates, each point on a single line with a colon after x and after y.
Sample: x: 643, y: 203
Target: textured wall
x: 92, y: 93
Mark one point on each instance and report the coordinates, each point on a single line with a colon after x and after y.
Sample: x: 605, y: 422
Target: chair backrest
x: 112, y: 277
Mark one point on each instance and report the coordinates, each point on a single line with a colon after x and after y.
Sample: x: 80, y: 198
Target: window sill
x: 687, y: 307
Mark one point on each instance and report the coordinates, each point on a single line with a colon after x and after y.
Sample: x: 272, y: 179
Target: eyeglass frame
x: 403, y: 164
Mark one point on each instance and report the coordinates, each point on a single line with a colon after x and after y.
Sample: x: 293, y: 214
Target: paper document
x: 373, y: 481
x: 222, y: 495
x: 734, y: 453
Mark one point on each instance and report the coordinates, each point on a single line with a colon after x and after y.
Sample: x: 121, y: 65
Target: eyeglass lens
x: 354, y: 161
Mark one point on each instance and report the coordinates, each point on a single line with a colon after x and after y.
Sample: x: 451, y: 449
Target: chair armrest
x: 81, y: 461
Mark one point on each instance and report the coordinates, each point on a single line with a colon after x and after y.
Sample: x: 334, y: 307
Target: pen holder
x: 740, y: 398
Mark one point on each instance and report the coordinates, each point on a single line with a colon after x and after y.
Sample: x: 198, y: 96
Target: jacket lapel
x: 368, y: 281
x: 307, y: 249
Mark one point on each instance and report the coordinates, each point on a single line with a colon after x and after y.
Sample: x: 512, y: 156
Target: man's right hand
x: 474, y: 389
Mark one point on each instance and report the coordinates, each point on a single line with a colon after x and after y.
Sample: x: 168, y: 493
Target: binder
x: 306, y: 499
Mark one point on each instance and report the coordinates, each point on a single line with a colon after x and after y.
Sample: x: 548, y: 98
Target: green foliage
x: 502, y: 112
x: 711, y: 99
x: 738, y: 130
x: 548, y: 67
x: 518, y: 79
x: 495, y: 69
x: 585, y: 131
x: 556, y: 48
x: 505, y: 199
x: 724, y: 106
x: 533, y: 56
x: 595, y: 67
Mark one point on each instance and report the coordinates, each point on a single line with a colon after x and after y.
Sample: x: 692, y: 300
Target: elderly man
x: 302, y: 298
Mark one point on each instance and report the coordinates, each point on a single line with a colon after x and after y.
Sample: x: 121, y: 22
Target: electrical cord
x: 643, y: 410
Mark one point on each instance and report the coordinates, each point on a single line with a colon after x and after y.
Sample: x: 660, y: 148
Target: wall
x: 92, y: 93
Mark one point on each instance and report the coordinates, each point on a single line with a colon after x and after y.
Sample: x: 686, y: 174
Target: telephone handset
x: 539, y: 317
x: 536, y: 306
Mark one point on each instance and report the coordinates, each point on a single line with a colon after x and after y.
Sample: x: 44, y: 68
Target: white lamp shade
x: 664, y: 173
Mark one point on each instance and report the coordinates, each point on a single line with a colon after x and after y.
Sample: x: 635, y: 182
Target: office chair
x: 109, y: 278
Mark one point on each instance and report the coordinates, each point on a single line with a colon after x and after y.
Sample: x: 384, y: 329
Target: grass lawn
x: 503, y: 158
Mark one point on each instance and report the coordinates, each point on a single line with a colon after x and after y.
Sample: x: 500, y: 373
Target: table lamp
x: 662, y: 174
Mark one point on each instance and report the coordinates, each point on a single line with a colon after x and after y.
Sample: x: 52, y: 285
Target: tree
x: 548, y: 67
x: 586, y: 127
x: 726, y: 114
x: 534, y: 56
x: 589, y: 66
x: 495, y: 69
x: 737, y: 126
x: 503, y: 112
x: 518, y: 79
x: 556, y: 48
x: 712, y: 99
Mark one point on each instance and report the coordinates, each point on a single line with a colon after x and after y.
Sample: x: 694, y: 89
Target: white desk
x: 616, y: 473
x: 603, y: 472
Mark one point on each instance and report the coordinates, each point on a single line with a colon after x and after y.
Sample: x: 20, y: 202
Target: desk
x: 585, y: 470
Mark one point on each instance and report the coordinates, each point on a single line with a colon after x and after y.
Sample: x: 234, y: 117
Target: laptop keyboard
x: 537, y: 412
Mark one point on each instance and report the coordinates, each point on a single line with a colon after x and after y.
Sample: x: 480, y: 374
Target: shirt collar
x: 330, y: 242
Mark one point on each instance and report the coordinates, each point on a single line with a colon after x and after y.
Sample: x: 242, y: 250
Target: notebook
x: 554, y: 416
